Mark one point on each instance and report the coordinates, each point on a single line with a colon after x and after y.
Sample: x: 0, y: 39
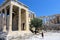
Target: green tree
x: 37, y: 23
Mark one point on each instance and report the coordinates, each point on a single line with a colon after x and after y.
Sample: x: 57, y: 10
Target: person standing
x: 42, y: 34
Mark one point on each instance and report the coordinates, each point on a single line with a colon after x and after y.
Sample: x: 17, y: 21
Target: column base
x: 4, y: 29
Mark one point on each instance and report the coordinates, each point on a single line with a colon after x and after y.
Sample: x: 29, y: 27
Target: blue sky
x: 42, y: 7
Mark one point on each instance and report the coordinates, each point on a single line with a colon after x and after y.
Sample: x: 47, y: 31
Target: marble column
x: 10, y: 18
x: 56, y: 19
x: 1, y: 22
x: 27, y: 22
x: 59, y: 19
x: 4, y: 28
x: 46, y: 19
x: 19, y: 22
x: 49, y: 20
x: 53, y: 19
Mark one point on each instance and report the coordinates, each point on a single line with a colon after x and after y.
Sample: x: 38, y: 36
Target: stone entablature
x: 17, y: 3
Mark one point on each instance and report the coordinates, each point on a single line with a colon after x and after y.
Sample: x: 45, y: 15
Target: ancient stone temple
x: 15, y: 17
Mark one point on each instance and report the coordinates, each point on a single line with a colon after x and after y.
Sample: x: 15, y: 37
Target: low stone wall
x: 19, y: 37
x: 16, y: 35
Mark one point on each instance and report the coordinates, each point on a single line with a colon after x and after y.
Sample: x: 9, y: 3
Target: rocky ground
x: 47, y: 36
